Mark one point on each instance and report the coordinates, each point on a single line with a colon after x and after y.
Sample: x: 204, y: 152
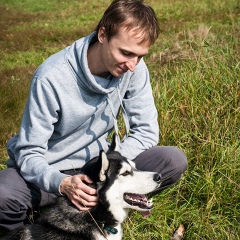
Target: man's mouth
x: 122, y: 70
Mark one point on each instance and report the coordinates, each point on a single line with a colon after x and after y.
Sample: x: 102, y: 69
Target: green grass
x: 194, y: 68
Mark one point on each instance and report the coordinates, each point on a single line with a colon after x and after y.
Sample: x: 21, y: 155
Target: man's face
x: 123, y: 51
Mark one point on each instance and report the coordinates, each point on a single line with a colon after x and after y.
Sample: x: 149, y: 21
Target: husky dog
x: 120, y: 187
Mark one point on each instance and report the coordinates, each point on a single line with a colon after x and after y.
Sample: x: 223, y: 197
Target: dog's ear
x: 97, y: 167
x: 115, y: 144
x: 105, y: 165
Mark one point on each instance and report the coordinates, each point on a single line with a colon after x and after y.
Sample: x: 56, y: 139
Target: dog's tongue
x: 145, y: 214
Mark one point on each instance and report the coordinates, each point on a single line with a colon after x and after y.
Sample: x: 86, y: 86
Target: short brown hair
x: 132, y: 14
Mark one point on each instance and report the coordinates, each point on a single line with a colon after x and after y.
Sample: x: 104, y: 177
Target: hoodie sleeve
x: 40, y: 115
x: 141, y: 113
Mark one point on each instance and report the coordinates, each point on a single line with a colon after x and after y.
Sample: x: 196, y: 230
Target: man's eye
x: 126, y: 53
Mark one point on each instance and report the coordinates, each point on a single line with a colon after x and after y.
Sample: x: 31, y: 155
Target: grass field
x: 194, y: 68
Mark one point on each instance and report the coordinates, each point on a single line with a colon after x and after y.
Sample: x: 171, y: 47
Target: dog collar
x: 109, y: 229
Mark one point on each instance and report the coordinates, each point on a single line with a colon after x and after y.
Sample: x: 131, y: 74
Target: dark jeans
x: 18, y: 196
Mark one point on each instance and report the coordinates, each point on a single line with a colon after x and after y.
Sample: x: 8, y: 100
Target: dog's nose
x: 157, y: 177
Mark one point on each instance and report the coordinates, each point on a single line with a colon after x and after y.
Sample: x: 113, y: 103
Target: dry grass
x: 185, y: 46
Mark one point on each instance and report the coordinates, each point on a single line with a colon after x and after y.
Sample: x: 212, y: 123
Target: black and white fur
x: 120, y: 187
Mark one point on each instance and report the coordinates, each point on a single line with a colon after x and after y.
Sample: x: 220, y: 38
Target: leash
x: 107, y: 228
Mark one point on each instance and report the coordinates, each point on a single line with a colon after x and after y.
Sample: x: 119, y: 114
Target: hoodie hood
x: 76, y: 57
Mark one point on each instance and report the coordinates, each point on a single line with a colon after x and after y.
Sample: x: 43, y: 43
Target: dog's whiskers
x: 100, y: 229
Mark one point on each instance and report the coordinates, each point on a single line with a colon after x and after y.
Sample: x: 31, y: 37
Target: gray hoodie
x: 70, y: 113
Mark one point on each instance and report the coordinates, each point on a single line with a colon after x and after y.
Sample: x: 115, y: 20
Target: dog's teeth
x: 139, y: 200
x: 149, y: 203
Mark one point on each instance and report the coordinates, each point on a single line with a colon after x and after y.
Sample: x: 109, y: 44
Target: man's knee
x: 162, y: 159
x: 9, y: 202
x: 172, y: 165
x: 177, y: 159
x: 12, y: 212
x: 13, y: 207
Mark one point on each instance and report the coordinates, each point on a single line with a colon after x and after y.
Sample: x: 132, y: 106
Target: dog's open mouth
x: 139, y: 200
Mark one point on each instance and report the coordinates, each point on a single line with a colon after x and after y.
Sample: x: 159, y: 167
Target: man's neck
x: 95, y: 61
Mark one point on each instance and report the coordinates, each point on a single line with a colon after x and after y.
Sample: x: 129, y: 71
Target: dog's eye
x: 126, y: 173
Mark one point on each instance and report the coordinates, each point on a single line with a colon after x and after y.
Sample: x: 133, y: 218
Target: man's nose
x: 131, y: 63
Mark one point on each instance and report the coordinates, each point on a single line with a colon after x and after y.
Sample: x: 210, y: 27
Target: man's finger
x: 80, y: 206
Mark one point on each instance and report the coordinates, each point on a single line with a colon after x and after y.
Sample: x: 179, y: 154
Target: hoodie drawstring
x: 125, y: 118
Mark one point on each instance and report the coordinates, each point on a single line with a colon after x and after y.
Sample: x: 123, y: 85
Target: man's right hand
x: 80, y: 194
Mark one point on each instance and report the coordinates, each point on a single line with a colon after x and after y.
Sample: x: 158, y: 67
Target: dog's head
x: 120, y: 185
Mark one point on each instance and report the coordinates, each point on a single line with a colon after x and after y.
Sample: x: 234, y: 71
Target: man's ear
x: 105, y: 165
x: 102, y: 34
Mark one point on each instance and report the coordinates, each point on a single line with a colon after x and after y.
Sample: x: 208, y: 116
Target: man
x: 73, y: 104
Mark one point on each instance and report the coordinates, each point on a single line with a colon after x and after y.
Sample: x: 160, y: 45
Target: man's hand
x: 81, y: 195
